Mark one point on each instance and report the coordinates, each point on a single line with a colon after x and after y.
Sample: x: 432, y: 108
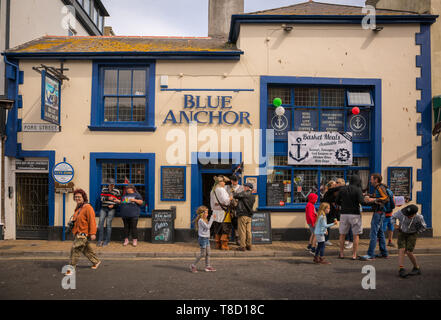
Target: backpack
x: 390, y: 204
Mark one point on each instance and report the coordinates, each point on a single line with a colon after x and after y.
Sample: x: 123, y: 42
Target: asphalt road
x: 241, y: 279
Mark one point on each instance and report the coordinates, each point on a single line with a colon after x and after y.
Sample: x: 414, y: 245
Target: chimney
x: 108, y: 31
x: 219, y: 16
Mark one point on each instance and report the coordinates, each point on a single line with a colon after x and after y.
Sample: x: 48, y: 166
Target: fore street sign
x: 40, y: 127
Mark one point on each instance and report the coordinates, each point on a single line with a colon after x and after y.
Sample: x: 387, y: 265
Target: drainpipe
x: 3, y: 139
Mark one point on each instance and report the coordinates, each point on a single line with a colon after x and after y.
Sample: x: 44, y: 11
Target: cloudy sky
x: 178, y: 17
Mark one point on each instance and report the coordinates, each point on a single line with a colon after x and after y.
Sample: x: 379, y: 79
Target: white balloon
x: 280, y: 111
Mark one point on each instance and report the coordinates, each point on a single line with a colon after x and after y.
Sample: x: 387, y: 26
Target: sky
x: 178, y: 17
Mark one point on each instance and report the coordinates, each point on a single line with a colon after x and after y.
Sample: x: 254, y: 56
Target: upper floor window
x: 123, y: 97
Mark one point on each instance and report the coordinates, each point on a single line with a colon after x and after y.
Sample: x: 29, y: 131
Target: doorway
x: 32, y: 211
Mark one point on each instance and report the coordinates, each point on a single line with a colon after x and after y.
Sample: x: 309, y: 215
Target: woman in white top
x: 219, y: 201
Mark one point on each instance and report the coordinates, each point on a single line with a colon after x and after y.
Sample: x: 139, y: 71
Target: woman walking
x: 84, y: 227
x: 130, y: 209
x: 219, y: 201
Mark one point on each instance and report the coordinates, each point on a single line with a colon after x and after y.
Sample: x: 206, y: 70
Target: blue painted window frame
x: 95, y: 176
x: 374, y: 153
x: 97, y: 108
x: 185, y: 183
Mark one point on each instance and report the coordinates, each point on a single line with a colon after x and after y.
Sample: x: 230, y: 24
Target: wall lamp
x: 287, y: 28
x: 378, y: 29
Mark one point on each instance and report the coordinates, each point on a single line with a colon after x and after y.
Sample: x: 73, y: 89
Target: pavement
x: 42, y: 248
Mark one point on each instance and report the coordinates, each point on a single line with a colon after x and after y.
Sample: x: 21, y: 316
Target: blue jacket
x: 321, y: 225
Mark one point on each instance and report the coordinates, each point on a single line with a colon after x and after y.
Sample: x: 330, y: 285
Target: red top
x: 311, y: 215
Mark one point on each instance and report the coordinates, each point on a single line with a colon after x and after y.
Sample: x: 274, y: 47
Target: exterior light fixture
x: 287, y: 28
x: 378, y: 29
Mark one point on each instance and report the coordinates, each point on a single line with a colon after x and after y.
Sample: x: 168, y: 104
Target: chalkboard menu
x: 261, y: 228
x: 173, y: 183
x: 400, y: 181
x: 163, y: 225
x: 275, y: 192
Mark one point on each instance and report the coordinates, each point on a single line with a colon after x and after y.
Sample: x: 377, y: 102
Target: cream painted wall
x: 32, y: 19
x: 309, y: 51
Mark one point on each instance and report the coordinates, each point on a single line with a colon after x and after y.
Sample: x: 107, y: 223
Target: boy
x: 411, y: 224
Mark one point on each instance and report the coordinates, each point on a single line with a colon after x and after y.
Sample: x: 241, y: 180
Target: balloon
x: 355, y: 110
x: 277, y: 102
x: 280, y: 111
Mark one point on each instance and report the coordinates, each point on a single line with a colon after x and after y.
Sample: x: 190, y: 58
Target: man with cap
x: 233, y: 189
x: 244, y: 211
x: 410, y: 225
x: 110, y: 198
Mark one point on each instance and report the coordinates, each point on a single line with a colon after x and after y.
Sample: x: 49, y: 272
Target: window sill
x: 122, y: 128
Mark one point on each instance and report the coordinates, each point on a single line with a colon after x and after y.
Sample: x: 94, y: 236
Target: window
x: 318, y: 109
x: 86, y: 6
x: 125, y: 168
x: 123, y: 97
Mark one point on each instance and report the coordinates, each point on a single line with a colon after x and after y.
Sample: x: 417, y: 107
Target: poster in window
x: 319, y: 148
x: 280, y: 124
x: 50, y: 96
x: 305, y: 120
x: 332, y: 120
x: 359, y: 125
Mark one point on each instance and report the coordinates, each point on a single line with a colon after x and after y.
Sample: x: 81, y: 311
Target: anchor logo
x: 358, y: 123
x: 298, y: 158
x: 279, y: 123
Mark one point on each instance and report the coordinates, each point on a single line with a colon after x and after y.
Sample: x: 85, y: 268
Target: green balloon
x: 277, y: 102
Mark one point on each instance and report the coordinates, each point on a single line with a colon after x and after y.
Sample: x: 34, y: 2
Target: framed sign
x: 163, y: 226
x: 399, y: 180
x: 261, y: 228
x: 63, y: 173
x: 50, y: 98
x: 173, y: 183
x: 253, y: 181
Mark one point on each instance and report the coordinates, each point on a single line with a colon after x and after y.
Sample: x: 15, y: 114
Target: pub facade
x: 168, y: 114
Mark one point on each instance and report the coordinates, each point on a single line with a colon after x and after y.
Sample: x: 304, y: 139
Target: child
x: 411, y: 224
x: 203, y: 226
x: 311, y: 217
x: 320, y: 230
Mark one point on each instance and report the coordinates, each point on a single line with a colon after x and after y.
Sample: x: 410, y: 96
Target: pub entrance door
x: 32, y: 212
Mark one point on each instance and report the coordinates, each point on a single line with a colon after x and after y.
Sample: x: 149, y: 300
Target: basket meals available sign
x: 319, y: 148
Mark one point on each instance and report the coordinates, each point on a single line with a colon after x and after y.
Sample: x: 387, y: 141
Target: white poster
x: 319, y: 148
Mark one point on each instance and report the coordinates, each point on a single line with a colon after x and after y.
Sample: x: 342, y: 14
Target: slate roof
x: 317, y: 8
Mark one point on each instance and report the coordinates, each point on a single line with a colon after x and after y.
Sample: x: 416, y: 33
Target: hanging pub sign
x: 319, y: 148
x: 50, y: 98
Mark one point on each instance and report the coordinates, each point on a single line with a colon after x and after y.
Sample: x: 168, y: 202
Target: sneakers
x: 126, y: 242
x: 105, y: 243
x: 210, y: 269
x: 95, y: 266
x: 312, y: 251
x: 308, y: 248
x: 99, y: 244
x: 415, y: 272
x: 328, y: 243
x: 193, y: 268
x: 134, y: 242
x: 381, y: 256
x: 367, y: 258
x: 346, y: 243
x: 390, y: 244
x: 349, y: 245
x: 402, y: 273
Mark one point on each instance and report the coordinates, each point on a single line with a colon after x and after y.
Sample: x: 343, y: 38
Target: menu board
x: 173, y: 183
x: 305, y: 120
x: 163, y: 225
x: 400, y: 181
x: 275, y: 193
x: 261, y: 228
x: 332, y: 120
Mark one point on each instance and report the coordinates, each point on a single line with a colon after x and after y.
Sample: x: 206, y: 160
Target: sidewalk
x: 42, y: 248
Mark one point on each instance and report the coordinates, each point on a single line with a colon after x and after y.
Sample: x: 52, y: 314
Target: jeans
x: 320, y: 251
x: 377, y: 233
x: 106, y: 215
x: 130, y: 227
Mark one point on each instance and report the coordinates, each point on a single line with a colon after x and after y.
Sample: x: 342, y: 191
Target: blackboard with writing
x: 400, y: 181
x: 163, y: 226
x: 261, y: 228
x: 275, y: 193
x: 173, y: 183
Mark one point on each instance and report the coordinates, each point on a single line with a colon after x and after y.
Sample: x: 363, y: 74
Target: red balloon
x: 355, y: 110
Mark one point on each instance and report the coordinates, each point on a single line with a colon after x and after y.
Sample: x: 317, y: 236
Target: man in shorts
x: 410, y: 225
x: 349, y: 198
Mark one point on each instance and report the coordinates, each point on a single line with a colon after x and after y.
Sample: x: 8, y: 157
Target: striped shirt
x: 107, y: 196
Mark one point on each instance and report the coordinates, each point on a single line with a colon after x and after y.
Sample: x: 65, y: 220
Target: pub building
x: 168, y: 114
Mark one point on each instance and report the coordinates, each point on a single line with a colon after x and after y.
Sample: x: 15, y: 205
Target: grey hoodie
x: 409, y: 225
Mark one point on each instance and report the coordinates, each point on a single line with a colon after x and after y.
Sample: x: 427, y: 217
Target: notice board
x: 261, y: 228
x: 399, y: 180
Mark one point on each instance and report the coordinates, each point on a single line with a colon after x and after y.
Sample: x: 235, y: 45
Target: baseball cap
x: 249, y: 185
x: 410, y: 210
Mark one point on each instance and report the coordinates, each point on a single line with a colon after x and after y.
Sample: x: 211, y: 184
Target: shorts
x: 204, y: 242
x: 387, y: 224
x: 311, y: 228
x: 352, y: 221
x: 407, y: 241
x: 222, y: 228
